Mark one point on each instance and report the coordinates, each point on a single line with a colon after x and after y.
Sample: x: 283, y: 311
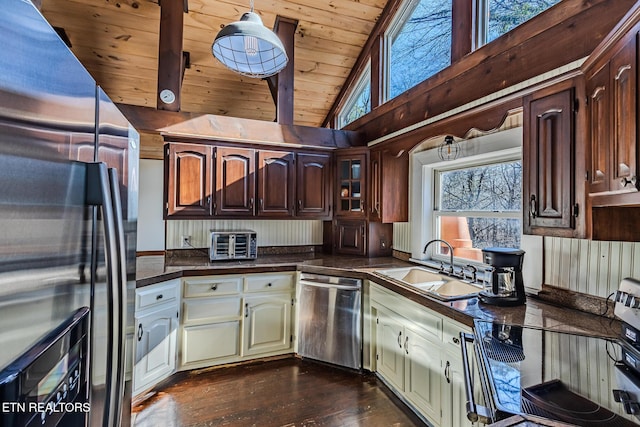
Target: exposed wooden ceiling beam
x: 285, y: 29
x: 171, y: 61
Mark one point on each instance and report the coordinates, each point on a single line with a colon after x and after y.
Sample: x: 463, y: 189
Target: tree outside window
x: 505, y: 15
x: 420, y: 44
x: 480, y: 207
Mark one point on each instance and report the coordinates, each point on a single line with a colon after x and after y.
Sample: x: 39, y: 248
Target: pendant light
x: 449, y: 149
x: 249, y: 48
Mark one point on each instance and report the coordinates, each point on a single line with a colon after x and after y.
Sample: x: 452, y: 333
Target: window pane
x: 491, y: 188
x: 469, y: 235
x: 421, y: 47
x: 360, y: 107
x: 504, y: 15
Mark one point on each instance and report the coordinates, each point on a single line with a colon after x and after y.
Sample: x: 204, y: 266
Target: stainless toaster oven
x: 233, y: 244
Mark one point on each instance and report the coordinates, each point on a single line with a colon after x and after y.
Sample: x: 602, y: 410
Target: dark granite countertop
x: 536, y: 313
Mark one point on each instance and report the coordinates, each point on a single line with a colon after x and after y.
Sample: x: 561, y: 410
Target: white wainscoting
x: 590, y: 267
x: 270, y: 232
x: 402, y: 236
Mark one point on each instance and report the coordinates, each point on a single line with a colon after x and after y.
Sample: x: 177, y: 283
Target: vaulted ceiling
x: 117, y: 41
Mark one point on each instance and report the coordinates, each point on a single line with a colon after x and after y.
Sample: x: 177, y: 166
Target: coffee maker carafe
x: 503, y: 284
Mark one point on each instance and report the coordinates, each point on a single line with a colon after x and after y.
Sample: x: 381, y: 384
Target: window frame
x: 436, y: 213
x: 363, y: 80
x: 396, y: 24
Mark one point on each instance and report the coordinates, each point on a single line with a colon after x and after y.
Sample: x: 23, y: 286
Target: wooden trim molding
x: 149, y: 121
x: 170, y: 55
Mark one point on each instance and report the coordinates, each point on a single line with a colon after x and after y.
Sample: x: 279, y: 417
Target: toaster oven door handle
x: 475, y: 413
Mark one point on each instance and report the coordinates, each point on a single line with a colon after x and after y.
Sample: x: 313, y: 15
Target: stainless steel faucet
x: 451, y: 271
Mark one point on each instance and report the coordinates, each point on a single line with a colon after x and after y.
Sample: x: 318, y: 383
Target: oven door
x: 561, y: 376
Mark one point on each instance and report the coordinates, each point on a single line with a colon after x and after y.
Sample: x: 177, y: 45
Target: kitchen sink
x: 432, y: 283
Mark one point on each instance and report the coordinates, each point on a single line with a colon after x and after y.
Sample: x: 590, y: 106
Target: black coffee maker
x: 503, y: 284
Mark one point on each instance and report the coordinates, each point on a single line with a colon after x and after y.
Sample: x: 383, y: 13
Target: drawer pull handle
x: 246, y: 310
x: 159, y: 296
x: 400, y: 339
x: 406, y: 344
x: 456, y: 340
x: 140, y: 332
x: 214, y: 287
x: 446, y: 372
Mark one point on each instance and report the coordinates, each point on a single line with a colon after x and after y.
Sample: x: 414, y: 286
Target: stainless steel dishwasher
x: 330, y: 319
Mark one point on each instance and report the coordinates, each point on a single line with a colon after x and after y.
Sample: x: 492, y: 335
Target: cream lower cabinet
x: 156, y: 319
x: 267, y: 324
x: 417, y: 353
x: 228, y: 319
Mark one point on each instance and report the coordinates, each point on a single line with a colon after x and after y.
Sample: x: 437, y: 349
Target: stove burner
x: 553, y: 399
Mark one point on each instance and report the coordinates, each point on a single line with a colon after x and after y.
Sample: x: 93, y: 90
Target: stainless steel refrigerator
x: 68, y: 215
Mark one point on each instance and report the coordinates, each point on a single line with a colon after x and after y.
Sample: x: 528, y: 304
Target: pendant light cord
x: 251, y: 5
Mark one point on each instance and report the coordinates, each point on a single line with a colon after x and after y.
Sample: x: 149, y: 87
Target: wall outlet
x: 185, y: 241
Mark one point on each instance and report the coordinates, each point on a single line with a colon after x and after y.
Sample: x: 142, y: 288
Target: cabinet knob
x: 624, y: 181
x: 269, y: 284
x: 456, y: 341
x: 159, y: 297
x: 214, y: 287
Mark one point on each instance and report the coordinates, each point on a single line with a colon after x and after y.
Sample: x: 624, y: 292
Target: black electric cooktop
x: 576, y: 379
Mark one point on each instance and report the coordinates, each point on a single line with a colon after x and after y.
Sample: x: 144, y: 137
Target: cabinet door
x: 624, y: 106
x: 350, y: 237
x: 454, y: 399
x: 276, y: 179
x: 599, y: 133
x: 189, y: 169
x: 212, y: 343
x: 422, y: 373
x: 548, y: 166
x: 389, y: 349
x: 155, y: 347
x: 313, y: 185
x: 375, y: 186
x: 351, y: 181
x: 235, y: 181
x: 267, y: 324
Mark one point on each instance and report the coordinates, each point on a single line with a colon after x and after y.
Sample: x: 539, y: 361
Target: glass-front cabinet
x: 352, y: 185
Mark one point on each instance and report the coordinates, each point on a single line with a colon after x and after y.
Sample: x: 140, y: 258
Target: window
x: 419, y: 43
x: 359, y: 101
x: 501, y: 16
x: 478, y: 206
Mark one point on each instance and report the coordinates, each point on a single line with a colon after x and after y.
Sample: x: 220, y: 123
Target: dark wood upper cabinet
x: 351, y: 183
x: 549, y: 164
x: 189, y: 169
x: 313, y: 185
x: 612, y: 97
x: 235, y: 181
x: 276, y: 182
x: 388, y: 186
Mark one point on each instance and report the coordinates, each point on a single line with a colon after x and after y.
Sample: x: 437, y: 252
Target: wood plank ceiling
x: 117, y: 41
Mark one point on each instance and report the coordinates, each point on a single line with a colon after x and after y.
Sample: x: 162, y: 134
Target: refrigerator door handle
x: 101, y: 193
x: 120, y: 292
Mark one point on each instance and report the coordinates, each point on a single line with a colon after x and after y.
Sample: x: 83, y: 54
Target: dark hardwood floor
x: 285, y: 392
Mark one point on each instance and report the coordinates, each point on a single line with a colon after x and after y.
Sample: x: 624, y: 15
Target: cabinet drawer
x: 154, y: 295
x: 269, y: 282
x: 212, y: 286
x: 205, y: 310
x: 422, y: 317
x: 451, y: 333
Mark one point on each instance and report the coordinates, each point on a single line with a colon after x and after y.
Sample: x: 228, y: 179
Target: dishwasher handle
x: 475, y: 412
x: 330, y: 286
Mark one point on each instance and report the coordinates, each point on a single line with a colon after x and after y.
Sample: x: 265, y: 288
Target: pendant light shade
x: 449, y: 149
x: 249, y: 48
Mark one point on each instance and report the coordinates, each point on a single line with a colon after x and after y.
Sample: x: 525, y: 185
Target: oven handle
x: 475, y: 412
